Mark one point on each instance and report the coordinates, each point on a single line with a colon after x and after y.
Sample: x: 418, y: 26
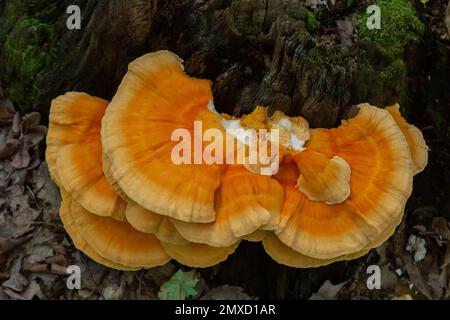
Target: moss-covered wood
x: 277, y: 53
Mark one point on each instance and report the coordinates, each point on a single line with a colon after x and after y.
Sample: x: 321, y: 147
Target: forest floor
x: 35, y: 250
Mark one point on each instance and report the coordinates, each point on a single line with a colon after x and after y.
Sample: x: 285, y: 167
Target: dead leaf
x: 16, y: 281
x: 7, y: 244
x: 327, y: 291
x: 32, y: 139
x: 45, y: 280
x: 34, y: 136
x: 30, y: 120
x: 33, y: 290
x: 47, y: 193
x: 440, y: 227
x: 92, y: 273
x: 114, y: 286
x: 8, y: 148
x: 38, y: 255
x: 437, y: 282
x: 15, y: 128
x: 21, y: 159
x: 416, y: 277
x: 5, y: 174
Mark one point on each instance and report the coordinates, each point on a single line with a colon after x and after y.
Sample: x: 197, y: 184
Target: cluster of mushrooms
x: 337, y: 192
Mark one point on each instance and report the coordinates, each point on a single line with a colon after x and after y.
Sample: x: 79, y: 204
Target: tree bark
x: 256, y: 52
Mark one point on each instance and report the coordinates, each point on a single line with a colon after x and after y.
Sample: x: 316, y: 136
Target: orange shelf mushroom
x: 154, y: 99
x: 416, y: 143
x: 199, y: 255
x: 91, y: 210
x: 381, y: 181
x: 245, y: 202
x: 149, y: 222
x: 74, y: 153
x: 334, y: 194
x: 315, y: 232
x: 110, y: 242
x: 283, y: 254
x: 79, y: 242
x: 118, y: 241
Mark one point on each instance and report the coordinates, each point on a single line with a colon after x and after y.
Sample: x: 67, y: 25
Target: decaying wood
x: 256, y: 52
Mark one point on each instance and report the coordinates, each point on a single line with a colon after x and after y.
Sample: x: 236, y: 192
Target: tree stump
x: 260, y: 52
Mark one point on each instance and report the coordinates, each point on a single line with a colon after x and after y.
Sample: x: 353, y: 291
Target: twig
x: 58, y: 259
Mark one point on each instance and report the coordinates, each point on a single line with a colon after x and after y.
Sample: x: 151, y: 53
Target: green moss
x: 399, y: 26
x: 28, y: 48
x: 311, y: 21
x: 395, y: 70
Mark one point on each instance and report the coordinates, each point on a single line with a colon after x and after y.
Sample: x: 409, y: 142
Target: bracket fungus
x: 74, y: 153
x: 333, y: 195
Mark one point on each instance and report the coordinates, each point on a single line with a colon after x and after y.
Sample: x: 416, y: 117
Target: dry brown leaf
x: 30, y: 120
x: 21, y: 159
x: 416, y: 277
x: 327, y: 291
x: 16, y: 128
x: 7, y: 244
x: 16, y: 281
x: 33, y: 290
x: 8, y: 148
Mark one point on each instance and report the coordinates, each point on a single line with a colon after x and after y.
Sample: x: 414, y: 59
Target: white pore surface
x: 296, y: 143
x: 243, y: 135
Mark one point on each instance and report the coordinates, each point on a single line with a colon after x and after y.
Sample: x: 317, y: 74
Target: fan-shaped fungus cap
x: 256, y: 236
x: 117, y: 241
x: 416, y: 142
x: 149, y: 222
x: 154, y: 99
x: 106, y: 164
x: 199, y: 255
x: 245, y: 202
x: 282, y: 254
x: 69, y: 123
x: 380, y: 183
x: 321, y: 178
x: 72, y: 230
x: 74, y: 153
